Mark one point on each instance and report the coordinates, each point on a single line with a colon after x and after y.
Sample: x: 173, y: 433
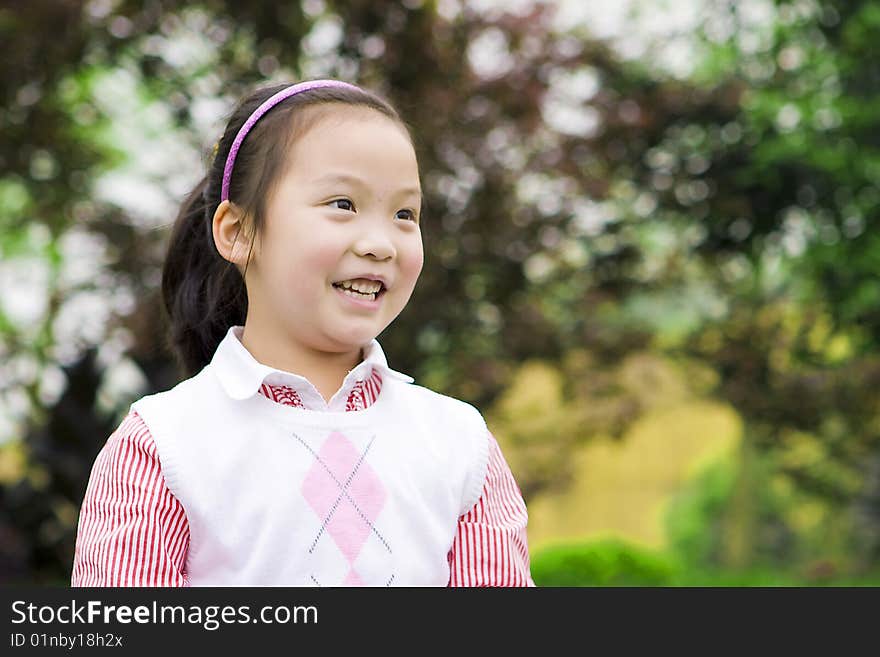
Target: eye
x: 343, y: 201
x: 407, y: 214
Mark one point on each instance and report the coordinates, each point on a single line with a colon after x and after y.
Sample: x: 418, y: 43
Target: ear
x: 230, y: 234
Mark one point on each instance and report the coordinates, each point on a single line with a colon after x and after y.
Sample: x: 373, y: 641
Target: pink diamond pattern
x: 353, y: 579
x: 346, y: 494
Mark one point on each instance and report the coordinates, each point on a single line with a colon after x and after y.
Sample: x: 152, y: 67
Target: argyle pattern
x: 347, y: 496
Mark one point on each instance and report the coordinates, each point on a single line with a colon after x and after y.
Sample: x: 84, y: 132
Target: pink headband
x: 258, y: 113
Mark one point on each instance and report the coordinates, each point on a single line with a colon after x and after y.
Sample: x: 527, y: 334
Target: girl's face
x: 347, y: 207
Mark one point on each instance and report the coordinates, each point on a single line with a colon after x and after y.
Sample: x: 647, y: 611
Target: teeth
x: 359, y: 295
x: 366, y: 288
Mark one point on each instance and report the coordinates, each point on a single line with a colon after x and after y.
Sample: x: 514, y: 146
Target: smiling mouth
x: 372, y: 296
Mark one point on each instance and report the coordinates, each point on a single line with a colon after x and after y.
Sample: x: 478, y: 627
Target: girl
x: 293, y: 454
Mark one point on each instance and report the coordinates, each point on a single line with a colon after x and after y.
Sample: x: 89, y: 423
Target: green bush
x: 694, y: 514
x: 608, y: 562
x: 614, y: 562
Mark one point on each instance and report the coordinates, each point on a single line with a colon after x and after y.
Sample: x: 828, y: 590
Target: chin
x: 354, y: 339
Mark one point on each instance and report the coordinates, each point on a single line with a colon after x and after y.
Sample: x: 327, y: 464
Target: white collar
x: 241, y: 375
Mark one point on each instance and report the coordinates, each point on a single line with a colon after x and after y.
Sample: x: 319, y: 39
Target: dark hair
x: 203, y: 293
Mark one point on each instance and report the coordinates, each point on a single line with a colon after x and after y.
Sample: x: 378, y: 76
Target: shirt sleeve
x: 491, y: 547
x: 132, y: 531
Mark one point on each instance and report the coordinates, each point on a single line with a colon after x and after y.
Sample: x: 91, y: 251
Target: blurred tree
x: 571, y: 200
x: 782, y: 195
x: 510, y: 196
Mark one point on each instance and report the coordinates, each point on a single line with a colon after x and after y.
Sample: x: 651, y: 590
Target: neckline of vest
x: 296, y: 414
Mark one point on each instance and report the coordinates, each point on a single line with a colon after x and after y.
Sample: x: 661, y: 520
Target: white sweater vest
x: 278, y: 495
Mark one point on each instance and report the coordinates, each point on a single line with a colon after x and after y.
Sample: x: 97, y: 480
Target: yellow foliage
x: 801, y: 449
x: 652, y: 380
x: 531, y: 420
x: 621, y: 487
x: 819, y: 333
x: 12, y: 462
x: 782, y: 486
x: 779, y: 358
x: 536, y: 387
x: 838, y: 349
x: 711, y: 340
x: 701, y: 378
x: 807, y: 515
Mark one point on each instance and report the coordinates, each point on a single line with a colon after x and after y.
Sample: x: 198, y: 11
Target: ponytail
x: 203, y: 293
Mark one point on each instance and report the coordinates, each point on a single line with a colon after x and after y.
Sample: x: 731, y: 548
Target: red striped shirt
x: 133, y: 531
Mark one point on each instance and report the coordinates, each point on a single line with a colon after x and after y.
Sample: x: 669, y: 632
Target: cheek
x: 305, y: 265
x: 411, y: 262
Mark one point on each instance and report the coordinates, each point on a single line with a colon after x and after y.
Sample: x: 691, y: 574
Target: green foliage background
x: 724, y: 221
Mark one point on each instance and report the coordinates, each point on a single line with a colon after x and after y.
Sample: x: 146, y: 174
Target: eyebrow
x: 358, y: 182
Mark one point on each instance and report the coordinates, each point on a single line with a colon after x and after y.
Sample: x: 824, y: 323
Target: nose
x: 375, y: 242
